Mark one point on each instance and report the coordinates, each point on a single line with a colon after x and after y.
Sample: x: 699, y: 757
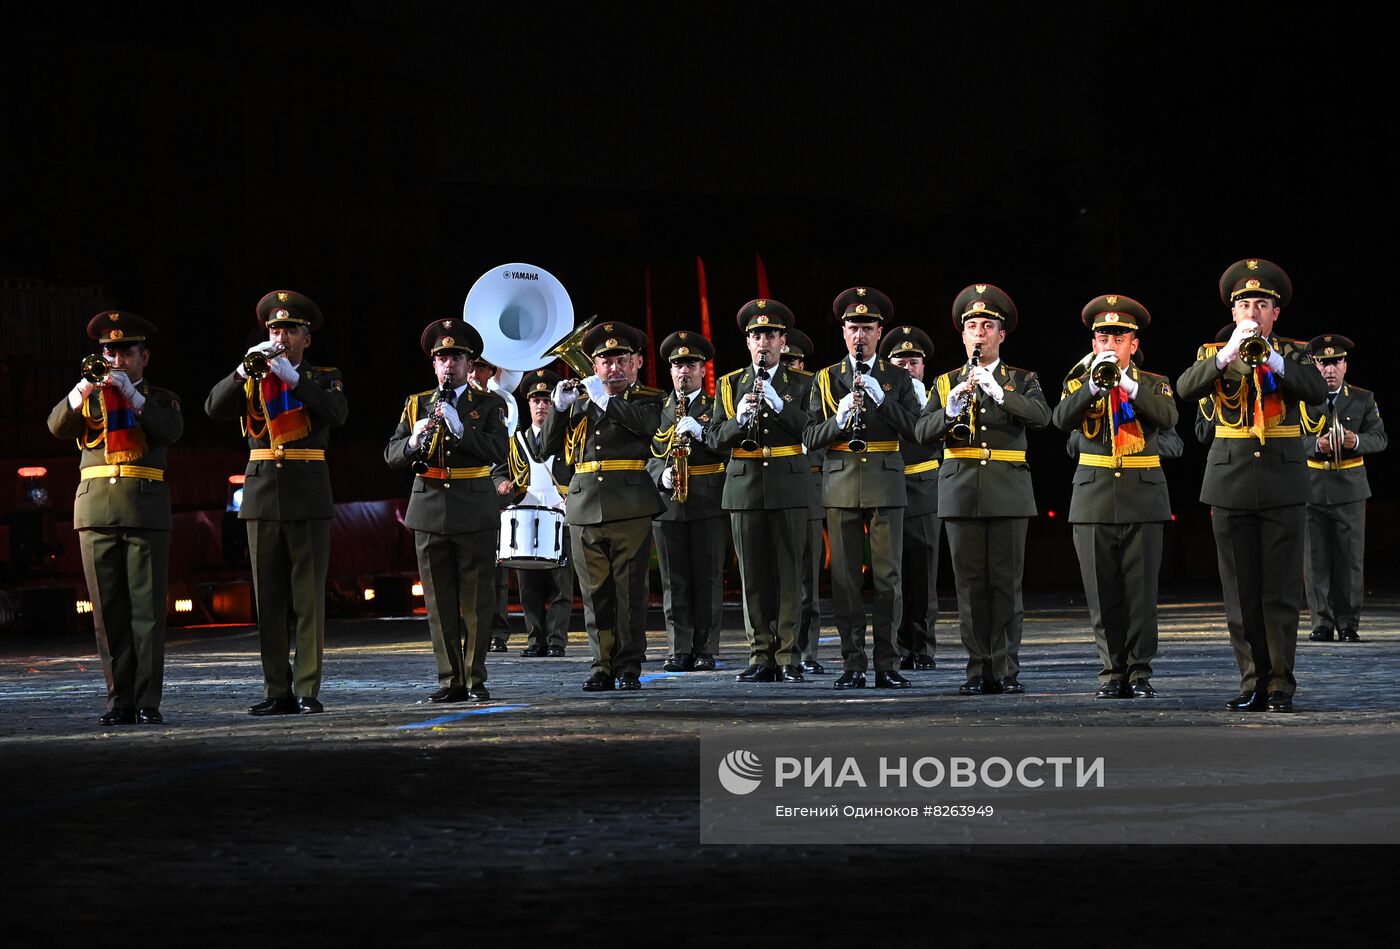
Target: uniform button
x: 984, y: 411
x: 1256, y: 454
x: 600, y: 479
x: 982, y: 463
x: 863, y: 459
x: 765, y: 464
x: 111, y: 480
x: 446, y: 485
x: 984, y: 444
x: 1117, y: 474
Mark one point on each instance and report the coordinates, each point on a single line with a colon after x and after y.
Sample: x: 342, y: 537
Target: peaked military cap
x: 1255, y: 278
x: 288, y: 306
x: 1113, y: 311
x: 984, y: 300
x: 450, y: 336
x: 798, y: 345
x: 613, y: 337
x: 1329, y: 347
x: 862, y: 305
x: 686, y: 344
x: 906, y: 341
x: 765, y: 314
x: 119, y: 328
x: 539, y: 382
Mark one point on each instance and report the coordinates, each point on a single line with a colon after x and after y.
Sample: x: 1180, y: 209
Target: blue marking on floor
x: 653, y: 676
x: 458, y: 716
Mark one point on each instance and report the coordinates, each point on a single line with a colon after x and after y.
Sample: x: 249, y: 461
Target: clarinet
x: 856, y: 441
x: 962, y: 426
x: 753, y: 430
x: 420, y: 457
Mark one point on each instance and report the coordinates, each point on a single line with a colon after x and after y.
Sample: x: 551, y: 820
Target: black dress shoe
x: 117, y: 716
x: 974, y: 686
x: 1142, y: 689
x: 1279, y: 702
x: 599, y: 682
x: 556, y: 651
x: 756, y: 674
x: 850, y: 680
x: 790, y: 674
x: 907, y: 662
x: 534, y: 651
x: 1323, y: 634
x: 286, y: 705
x: 454, y: 693
x: 812, y: 667
x: 1246, y: 702
x: 890, y: 680
x: 498, y: 644
x: 309, y: 706
x: 704, y: 663
x: 924, y: 663
x: 1112, y: 689
x: 1348, y: 635
x: 629, y: 682
x: 478, y: 693
x: 680, y: 662
x: 1009, y: 686
x: 150, y: 716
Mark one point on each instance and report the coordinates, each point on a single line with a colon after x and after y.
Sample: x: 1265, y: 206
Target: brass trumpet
x: 95, y: 369
x: 257, y: 364
x: 1106, y: 375
x: 1255, y: 351
x: 962, y: 426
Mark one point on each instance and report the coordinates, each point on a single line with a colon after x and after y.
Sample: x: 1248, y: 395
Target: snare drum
x: 531, y: 538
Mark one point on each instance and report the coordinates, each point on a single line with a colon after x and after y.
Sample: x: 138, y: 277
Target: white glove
x: 1243, y: 330
x: 1101, y: 357
x: 128, y: 390
x: 668, y: 478
x: 845, y: 409
x: 874, y: 393
x: 774, y: 400
x: 79, y: 394
x: 283, y: 369
x: 564, y: 396
x: 453, y: 420
x: 416, y: 439
x: 1276, y: 362
x: 1129, y: 386
x: 597, y: 393
x: 688, y: 426
x: 983, y: 377
x: 956, y: 403
x: 920, y: 390
x: 747, y: 410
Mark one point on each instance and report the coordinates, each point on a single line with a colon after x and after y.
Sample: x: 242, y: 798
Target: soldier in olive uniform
x: 692, y: 537
x: 760, y: 413
x: 795, y: 354
x: 547, y: 595
x: 286, y: 413
x: 861, y: 408
x: 121, y: 512
x: 985, y: 497
x: 605, y: 433
x: 484, y: 377
x: 909, y: 348
x: 1120, y: 498
x: 1336, y: 537
x: 1255, y: 480
x: 452, y: 435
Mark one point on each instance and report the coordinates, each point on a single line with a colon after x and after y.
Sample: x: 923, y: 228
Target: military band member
x: 1255, y: 480
x: 1120, y: 498
x: 985, y: 497
x: 909, y: 348
x: 1341, y: 430
x: 452, y: 435
x: 760, y: 413
x: 605, y: 433
x: 484, y: 378
x: 795, y: 354
x: 692, y: 537
x: 864, y: 398
x: 286, y: 415
x: 546, y: 596
x: 123, y: 426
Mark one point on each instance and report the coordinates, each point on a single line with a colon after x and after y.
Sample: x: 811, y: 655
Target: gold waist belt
x: 985, y: 454
x: 1120, y: 461
x: 779, y: 451
x: 588, y: 467
x: 1279, y: 431
x: 287, y: 454
x: 869, y: 446
x: 707, y: 469
x: 457, y: 474
x: 921, y: 467
x: 1314, y: 463
x: 129, y: 471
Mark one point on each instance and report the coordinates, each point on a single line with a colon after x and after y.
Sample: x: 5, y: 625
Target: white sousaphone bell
x: 521, y: 312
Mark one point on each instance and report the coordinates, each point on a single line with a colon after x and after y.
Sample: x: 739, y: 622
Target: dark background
x: 380, y: 156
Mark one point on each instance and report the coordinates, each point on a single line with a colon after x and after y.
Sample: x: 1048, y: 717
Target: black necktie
x: 1331, y: 400
x: 862, y: 368
x: 450, y: 397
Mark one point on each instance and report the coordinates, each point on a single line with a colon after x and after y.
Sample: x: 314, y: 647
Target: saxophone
x: 680, y: 453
